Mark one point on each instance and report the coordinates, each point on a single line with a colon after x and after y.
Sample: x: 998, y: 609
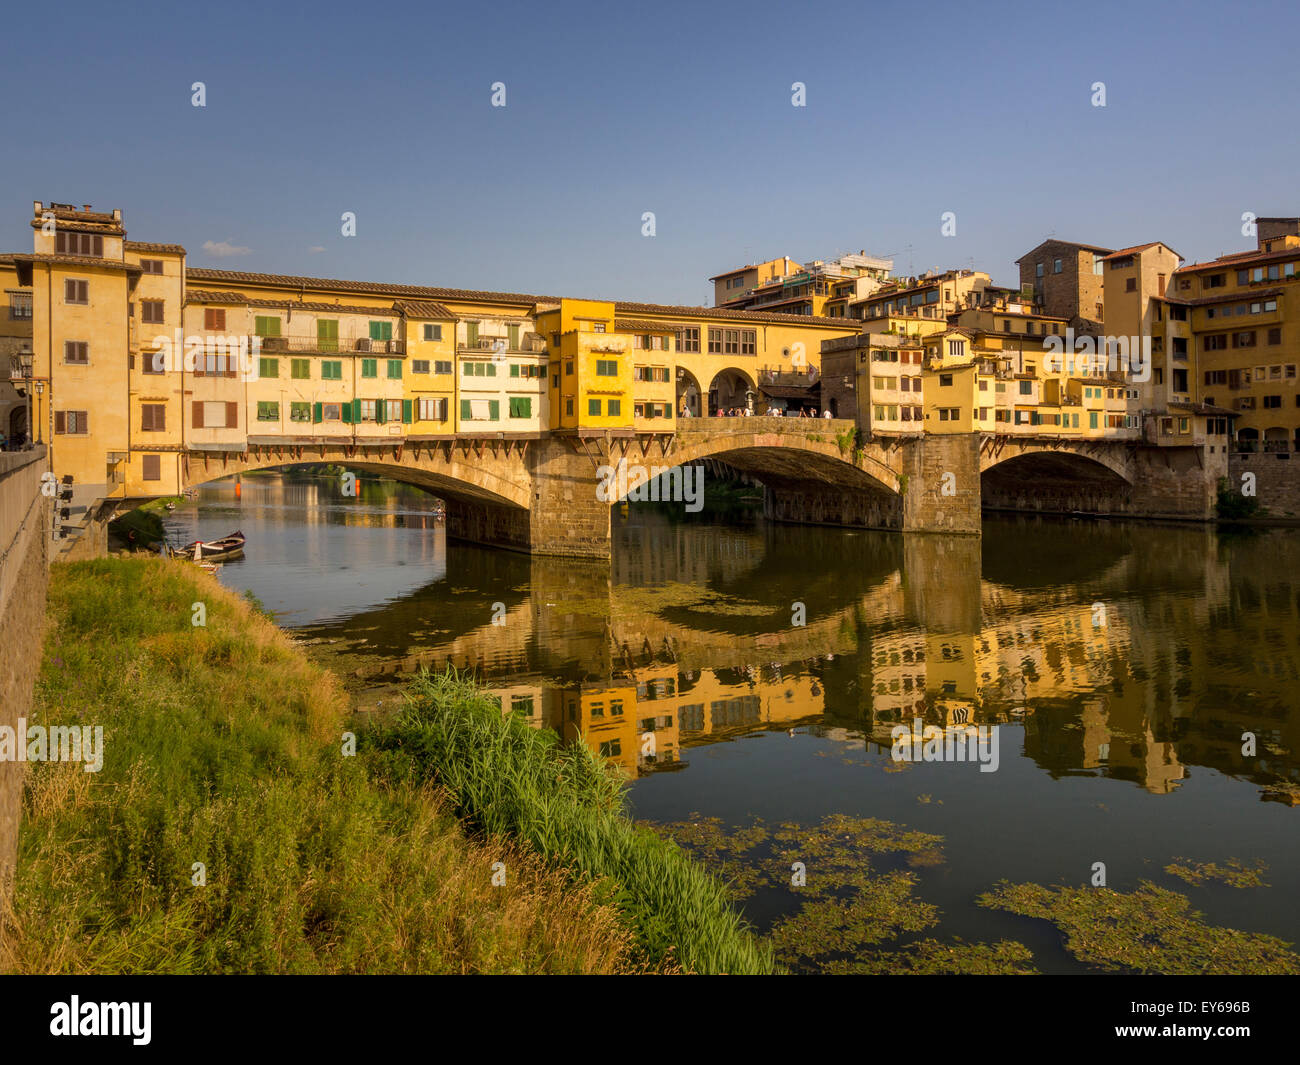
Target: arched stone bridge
x: 539, y: 494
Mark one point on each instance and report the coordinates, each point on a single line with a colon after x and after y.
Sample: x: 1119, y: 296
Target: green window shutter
x: 317, y: 412
x: 494, y: 409
x: 327, y: 334
x: 345, y: 413
x: 513, y: 331
x: 381, y: 411
x: 376, y: 330
x: 471, y: 334
x: 467, y: 369
x: 356, y: 410
x: 464, y: 410
x: 406, y: 410
x: 394, y: 368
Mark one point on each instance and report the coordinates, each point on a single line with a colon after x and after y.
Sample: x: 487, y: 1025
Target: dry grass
x: 223, y: 745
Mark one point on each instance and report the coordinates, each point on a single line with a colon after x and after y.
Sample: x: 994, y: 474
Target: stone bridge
x: 539, y: 494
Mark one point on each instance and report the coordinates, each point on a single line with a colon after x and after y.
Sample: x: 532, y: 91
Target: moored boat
x: 227, y: 547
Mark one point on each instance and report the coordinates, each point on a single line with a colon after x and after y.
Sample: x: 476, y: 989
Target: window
x: 20, y: 306
x: 151, y: 266
x: 394, y: 369
x: 76, y: 291
x: 151, y: 467
x: 153, y: 417
x: 212, y: 415
x: 715, y: 341
x: 394, y: 411
x: 1130, y: 284
x: 568, y: 406
x: 442, y: 366
x: 381, y: 330
x: 945, y: 380
x: 688, y: 340
x: 748, y: 341
x: 76, y: 352
x: 1275, y: 336
x: 593, y: 408
x: 432, y: 410
x: 299, y: 412
x: 1243, y: 340
x: 365, y: 410
x: 1026, y: 388
x: 419, y: 366
x: 266, y: 326
x: 331, y: 370
x: 1056, y: 266
x: 956, y: 348
x: 369, y: 367
x: 614, y: 408
x: 1215, y: 342
x: 432, y: 332
x: 1038, y: 270
x: 300, y: 369
x: 214, y: 318
x: 268, y: 411
x: 597, y: 327
x: 87, y: 244
x: 331, y: 412
x: 327, y: 334
x: 606, y: 368
x: 151, y: 311
x: 521, y: 407
x: 1272, y: 402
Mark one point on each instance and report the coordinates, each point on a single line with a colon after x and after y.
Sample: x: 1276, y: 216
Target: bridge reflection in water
x: 1121, y: 651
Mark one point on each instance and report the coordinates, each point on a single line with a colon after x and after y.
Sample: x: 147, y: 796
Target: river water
x: 757, y: 671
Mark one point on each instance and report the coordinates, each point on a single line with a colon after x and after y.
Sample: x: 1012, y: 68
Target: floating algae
x: 836, y: 904
x: 1150, y: 930
x: 1234, y: 872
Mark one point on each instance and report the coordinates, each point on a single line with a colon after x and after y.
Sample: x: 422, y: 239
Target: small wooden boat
x: 227, y: 547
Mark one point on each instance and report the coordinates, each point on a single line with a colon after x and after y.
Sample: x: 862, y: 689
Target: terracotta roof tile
x: 423, y: 309
x: 378, y: 288
x: 79, y: 260
x: 204, y: 295
x: 144, y: 245
x: 645, y: 325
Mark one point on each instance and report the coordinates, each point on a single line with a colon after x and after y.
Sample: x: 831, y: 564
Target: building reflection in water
x: 1126, y: 651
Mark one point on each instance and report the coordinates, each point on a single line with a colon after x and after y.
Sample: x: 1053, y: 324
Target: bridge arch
x: 728, y: 387
x: 780, y: 456
x: 1079, y: 479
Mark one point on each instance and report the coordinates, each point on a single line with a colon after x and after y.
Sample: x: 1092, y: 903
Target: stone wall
x: 566, y: 517
x: 24, y: 570
x: 942, y: 488
x: 1277, y: 481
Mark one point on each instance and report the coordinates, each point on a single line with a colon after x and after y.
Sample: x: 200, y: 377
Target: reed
x: 513, y: 781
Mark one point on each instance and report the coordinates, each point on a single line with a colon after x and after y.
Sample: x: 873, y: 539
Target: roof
x: 743, y: 316
x: 1243, y: 296
x: 754, y: 266
x: 1204, y: 408
x: 204, y: 295
x: 144, y: 245
x: 378, y: 288
x: 1063, y: 243
x: 645, y: 325
x: 422, y: 309
x: 1139, y: 247
x: 1239, y: 258
x: 79, y: 260
x: 790, y: 391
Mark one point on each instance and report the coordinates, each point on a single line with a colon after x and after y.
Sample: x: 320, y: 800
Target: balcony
x: 330, y: 345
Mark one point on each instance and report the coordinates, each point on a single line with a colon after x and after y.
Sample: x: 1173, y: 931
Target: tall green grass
x: 222, y: 745
x: 512, y: 780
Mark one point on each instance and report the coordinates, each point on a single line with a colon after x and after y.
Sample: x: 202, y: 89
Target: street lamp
x: 25, y: 361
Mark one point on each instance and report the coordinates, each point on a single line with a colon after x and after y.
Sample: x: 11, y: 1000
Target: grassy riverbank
x: 222, y: 746
x: 512, y: 780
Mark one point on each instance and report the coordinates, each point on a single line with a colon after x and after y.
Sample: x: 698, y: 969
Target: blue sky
x: 680, y: 109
